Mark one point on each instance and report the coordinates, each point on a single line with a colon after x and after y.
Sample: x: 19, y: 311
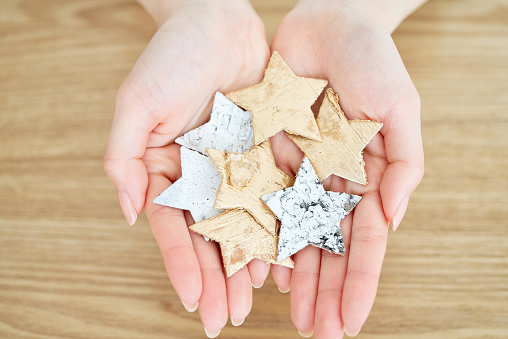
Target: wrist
x: 385, y: 13
x: 162, y: 10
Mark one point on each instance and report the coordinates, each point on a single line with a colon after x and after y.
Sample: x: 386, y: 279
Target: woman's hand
x: 341, y: 42
x: 200, y: 47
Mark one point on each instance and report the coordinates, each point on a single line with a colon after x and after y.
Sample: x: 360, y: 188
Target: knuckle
x: 109, y: 166
x: 369, y: 234
x: 125, y: 91
x: 419, y: 170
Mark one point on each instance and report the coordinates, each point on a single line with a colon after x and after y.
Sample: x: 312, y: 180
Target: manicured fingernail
x: 211, y: 334
x: 258, y: 286
x: 285, y: 291
x: 306, y: 334
x: 237, y: 322
x: 128, y: 208
x: 399, y: 213
x: 190, y: 308
x: 352, y: 334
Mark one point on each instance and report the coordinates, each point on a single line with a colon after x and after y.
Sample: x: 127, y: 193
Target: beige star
x: 340, y: 152
x: 241, y: 239
x: 281, y: 101
x: 245, y: 178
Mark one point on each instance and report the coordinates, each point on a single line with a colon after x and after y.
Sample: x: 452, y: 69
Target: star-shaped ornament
x: 282, y: 101
x: 196, y: 189
x: 309, y: 215
x: 340, y: 152
x: 245, y: 178
x: 241, y: 239
x: 229, y: 129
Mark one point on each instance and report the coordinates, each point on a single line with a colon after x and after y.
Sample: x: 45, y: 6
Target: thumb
x: 404, y: 151
x: 126, y: 146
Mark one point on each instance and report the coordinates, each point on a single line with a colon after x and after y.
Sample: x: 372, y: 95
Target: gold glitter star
x: 340, y: 152
x: 282, y: 101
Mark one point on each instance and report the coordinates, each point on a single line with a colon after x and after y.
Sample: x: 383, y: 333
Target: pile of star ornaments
x: 235, y: 192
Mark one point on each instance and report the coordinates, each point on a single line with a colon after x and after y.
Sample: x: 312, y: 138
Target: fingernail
x: 258, y: 286
x: 128, y: 208
x: 352, y: 334
x: 306, y: 334
x: 211, y: 334
x: 286, y: 291
x: 190, y: 308
x: 237, y: 322
x: 399, y: 213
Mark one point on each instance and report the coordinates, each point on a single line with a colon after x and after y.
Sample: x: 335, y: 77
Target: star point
x: 229, y: 129
x: 340, y: 152
x: 196, y: 189
x: 309, y: 215
x: 282, y: 101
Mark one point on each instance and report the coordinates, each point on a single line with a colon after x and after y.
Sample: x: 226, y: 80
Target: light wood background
x: 70, y: 267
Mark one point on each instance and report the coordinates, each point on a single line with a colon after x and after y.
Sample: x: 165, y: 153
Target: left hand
x: 329, y: 293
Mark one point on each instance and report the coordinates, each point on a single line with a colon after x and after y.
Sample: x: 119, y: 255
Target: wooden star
x: 340, y: 152
x: 229, y: 129
x: 245, y: 178
x: 309, y: 215
x: 196, y: 189
x: 282, y: 101
x: 241, y: 239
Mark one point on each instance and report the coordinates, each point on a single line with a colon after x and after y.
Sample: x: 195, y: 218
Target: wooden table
x: 70, y: 267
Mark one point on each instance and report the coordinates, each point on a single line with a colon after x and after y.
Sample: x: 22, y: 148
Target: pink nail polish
x: 212, y: 334
x: 127, y: 208
x: 284, y: 291
x: 237, y: 322
x: 352, y: 334
x: 306, y: 334
x: 190, y: 308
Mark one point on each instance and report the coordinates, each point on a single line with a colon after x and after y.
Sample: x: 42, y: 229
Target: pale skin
x: 219, y: 45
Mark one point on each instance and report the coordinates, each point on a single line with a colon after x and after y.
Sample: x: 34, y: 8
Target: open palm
x: 330, y: 293
x: 197, y: 51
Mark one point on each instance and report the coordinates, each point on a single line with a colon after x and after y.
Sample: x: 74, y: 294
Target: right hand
x: 198, y: 49
x: 346, y: 43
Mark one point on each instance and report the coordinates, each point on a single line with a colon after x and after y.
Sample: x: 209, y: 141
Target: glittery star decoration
x: 309, y: 215
x: 196, y: 189
x: 282, y: 101
x: 241, y: 239
x: 340, y: 152
x: 229, y: 129
x: 245, y: 178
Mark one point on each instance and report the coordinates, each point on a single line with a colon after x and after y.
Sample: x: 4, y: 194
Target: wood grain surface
x: 70, y: 267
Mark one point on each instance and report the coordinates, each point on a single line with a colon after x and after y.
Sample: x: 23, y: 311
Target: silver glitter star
x: 196, y: 189
x: 229, y: 129
x: 309, y: 215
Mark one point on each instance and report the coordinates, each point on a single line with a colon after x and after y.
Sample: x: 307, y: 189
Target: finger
x: 368, y: 244
x: 404, y: 151
x: 304, y: 287
x: 288, y: 157
x: 258, y: 271
x: 239, y: 292
x: 282, y: 277
x: 213, y: 307
x: 331, y: 283
x: 122, y: 161
x: 170, y: 230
